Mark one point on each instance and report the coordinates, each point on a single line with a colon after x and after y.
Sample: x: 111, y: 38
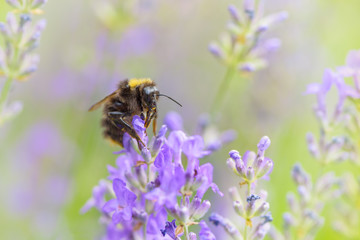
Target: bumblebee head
x: 151, y: 95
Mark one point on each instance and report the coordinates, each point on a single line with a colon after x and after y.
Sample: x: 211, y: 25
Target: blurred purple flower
x: 135, y: 41
x: 205, y: 232
x: 322, y: 89
x: 174, y: 121
x: 205, y: 172
x: 243, y: 46
x: 345, y: 91
x: 98, y: 197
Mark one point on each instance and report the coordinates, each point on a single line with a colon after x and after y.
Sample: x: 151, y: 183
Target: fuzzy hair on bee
x: 136, y: 96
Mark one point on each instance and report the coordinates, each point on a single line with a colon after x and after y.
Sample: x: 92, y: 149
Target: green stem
x: 222, y: 89
x: 148, y: 173
x: 144, y: 229
x: 5, y: 92
x: 245, y: 231
x: 246, y: 226
x: 186, y: 230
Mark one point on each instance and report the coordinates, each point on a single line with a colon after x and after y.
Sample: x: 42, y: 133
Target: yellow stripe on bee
x: 134, y: 82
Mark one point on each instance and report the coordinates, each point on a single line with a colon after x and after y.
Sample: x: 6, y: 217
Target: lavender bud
x: 40, y: 25
x: 146, y: 155
x: 251, y: 207
x: 288, y: 220
x: 233, y: 28
x: 216, y: 51
x: 239, y: 208
x: 264, y: 207
x: 291, y: 200
x: 261, y: 231
x: 201, y: 210
x: 231, y: 164
x: 192, y: 236
x: 263, y: 194
x: 159, y: 139
x: 183, y: 214
x: 24, y: 18
x: 2, y: 61
x: 265, y: 168
x: 263, y: 144
x: 299, y: 176
x: 141, y: 175
x: 312, y: 146
x: 271, y: 45
x: 250, y: 174
x: 132, y: 180
x: 304, y: 194
x: 4, y: 30
x: 229, y: 227
x: 38, y: 3
x: 275, y: 18
x: 12, y: 22
x: 234, y: 194
x: 247, y: 67
x: 234, y: 12
x: 325, y: 183
x: 249, y: 7
x: 252, y: 198
x: 267, y: 218
x: 198, y: 183
x: 139, y: 215
x: 14, y: 3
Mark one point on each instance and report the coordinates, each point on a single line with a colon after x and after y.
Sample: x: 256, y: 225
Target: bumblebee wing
x: 101, y: 102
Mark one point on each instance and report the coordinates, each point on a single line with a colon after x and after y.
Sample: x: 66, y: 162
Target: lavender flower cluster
x: 338, y: 142
x: 154, y: 184
x: 340, y: 135
x: 242, y: 47
x: 251, y: 206
x: 20, y: 38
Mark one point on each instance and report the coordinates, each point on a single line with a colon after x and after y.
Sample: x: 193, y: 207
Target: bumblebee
x: 133, y: 97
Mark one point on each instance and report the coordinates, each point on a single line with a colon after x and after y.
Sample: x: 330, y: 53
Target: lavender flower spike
x: 243, y: 48
x: 252, y: 167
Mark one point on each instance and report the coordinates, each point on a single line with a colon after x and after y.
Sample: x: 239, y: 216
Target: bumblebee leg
x: 148, y: 119
x: 152, y: 115
x: 154, y: 123
x: 128, y: 128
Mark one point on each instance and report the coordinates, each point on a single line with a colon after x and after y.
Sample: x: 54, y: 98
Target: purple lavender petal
x: 117, y: 217
x: 138, y: 125
x: 205, y: 232
x: 170, y: 228
x: 127, y: 213
x: 174, y: 121
x: 264, y: 143
x: 353, y: 59
x: 175, y: 142
x: 155, y: 222
x: 110, y: 206
x: 118, y: 186
x: 206, y: 172
x: 194, y: 147
x: 234, y: 12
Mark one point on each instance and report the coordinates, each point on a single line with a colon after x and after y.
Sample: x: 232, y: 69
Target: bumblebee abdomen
x: 113, y: 132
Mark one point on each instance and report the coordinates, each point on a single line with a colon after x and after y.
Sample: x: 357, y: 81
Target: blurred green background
x: 82, y: 59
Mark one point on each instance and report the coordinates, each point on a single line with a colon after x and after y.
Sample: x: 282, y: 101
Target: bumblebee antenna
x: 170, y: 99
